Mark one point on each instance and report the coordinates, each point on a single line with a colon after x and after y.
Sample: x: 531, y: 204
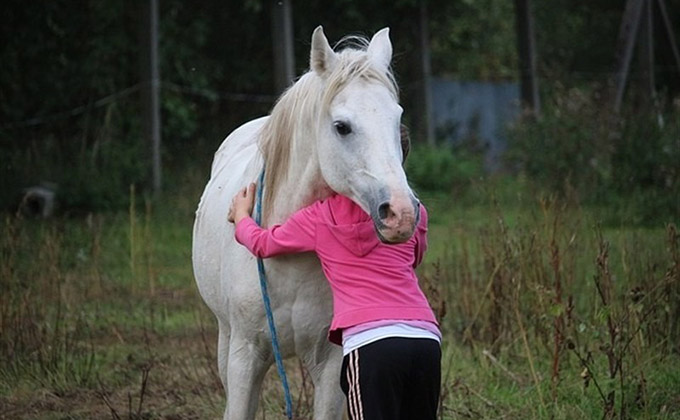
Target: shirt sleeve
x: 421, y: 237
x: 297, y: 234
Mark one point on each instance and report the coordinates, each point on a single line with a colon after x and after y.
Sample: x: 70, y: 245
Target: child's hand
x: 242, y: 204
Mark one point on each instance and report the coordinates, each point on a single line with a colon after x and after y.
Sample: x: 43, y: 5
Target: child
x: 389, y: 335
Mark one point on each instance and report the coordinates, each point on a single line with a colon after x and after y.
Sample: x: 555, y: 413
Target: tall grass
x: 42, y: 335
x: 92, y: 312
x: 555, y: 304
x: 545, y: 314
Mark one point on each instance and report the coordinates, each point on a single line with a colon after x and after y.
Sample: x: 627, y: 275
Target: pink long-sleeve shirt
x: 370, y: 281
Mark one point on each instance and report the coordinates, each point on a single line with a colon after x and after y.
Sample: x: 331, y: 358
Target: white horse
x: 335, y: 129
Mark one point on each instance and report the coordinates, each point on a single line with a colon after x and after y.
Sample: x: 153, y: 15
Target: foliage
x: 443, y: 168
x: 60, y: 58
x: 474, y: 40
x: 564, y: 54
x: 645, y: 167
x: 577, y: 148
x: 92, y: 152
x: 566, y: 147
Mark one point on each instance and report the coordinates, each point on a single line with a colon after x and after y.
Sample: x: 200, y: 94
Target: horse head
x: 358, y: 132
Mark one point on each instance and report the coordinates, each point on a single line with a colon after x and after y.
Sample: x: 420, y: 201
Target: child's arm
x: 297, y: 234
x: 421, y: 237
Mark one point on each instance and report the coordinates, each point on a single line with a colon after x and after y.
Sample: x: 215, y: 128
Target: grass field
x: 546, y: 314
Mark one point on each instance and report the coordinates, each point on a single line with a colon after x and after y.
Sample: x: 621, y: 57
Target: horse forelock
x: 356, y: 65
x: 303, y: 102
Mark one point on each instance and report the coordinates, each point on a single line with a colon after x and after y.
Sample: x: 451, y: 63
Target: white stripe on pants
x: 354, y: 396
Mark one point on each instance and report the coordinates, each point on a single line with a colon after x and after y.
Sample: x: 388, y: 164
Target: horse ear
x: 322, y: 58
x: 380, y: 48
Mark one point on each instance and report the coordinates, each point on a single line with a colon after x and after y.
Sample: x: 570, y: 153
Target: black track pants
x: 393, y: 379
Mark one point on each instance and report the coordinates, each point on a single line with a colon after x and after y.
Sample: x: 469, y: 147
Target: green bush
x: 444, y: 168
x: 646, y: 168
x: 104, y: 183
x: 55, y: 130
x: 565, y: 148
x: 628, y: 163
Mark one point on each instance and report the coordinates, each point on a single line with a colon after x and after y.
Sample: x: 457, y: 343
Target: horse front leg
x: 329, y: 401
x: 247, y: 366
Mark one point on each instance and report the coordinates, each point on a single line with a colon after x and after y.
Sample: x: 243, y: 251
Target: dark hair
x: 405, y: 142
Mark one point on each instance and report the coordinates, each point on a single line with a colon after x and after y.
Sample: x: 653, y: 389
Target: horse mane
x: 304, y: 101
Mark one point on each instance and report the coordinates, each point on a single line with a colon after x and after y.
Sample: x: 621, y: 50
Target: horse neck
x: 296, y: 178
x: 303, y: 183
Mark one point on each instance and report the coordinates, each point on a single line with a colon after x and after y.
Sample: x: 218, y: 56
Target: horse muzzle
x: 396, y: 220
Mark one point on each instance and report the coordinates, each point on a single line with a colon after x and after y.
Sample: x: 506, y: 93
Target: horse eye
x: 342, y: 128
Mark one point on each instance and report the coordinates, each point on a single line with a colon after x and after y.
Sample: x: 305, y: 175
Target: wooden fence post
x: 282, y: 38
x: 526, y: 48
x: 151, y: 85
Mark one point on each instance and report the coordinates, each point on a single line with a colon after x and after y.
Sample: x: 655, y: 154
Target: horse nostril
x: 384, y: 210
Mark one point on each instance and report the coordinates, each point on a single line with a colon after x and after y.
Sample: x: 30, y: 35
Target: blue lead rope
x: 268, y: 307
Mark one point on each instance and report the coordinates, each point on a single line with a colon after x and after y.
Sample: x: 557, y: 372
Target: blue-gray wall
x: 482, y: 110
